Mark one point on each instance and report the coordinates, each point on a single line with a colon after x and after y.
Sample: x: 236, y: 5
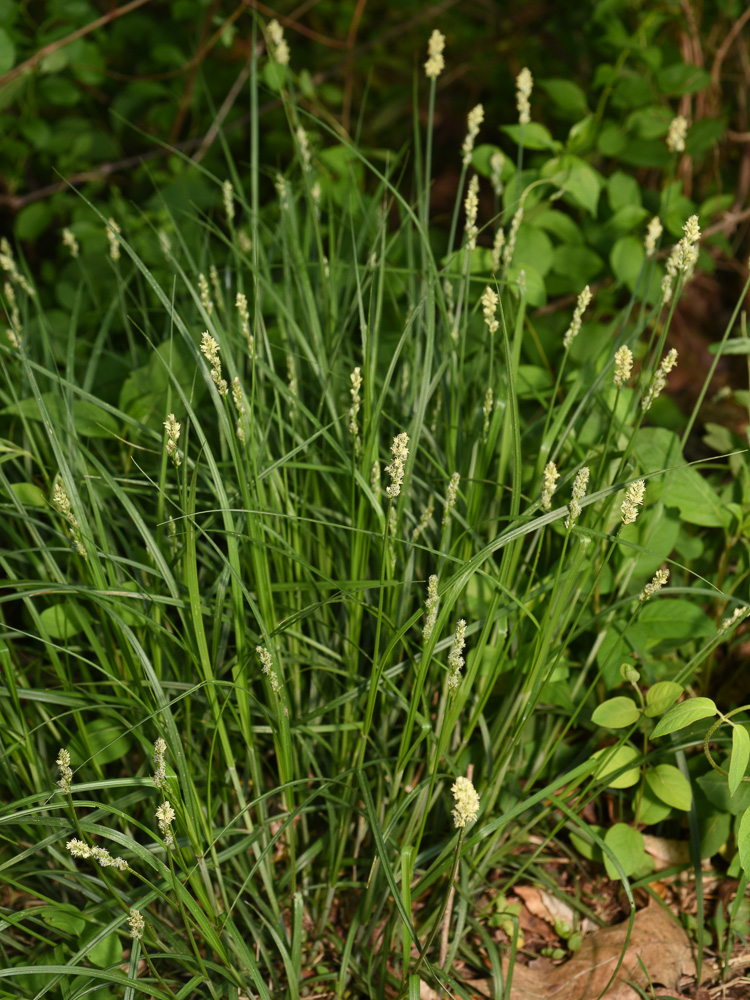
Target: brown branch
x: 100, y: 22
x: 726, y: 45
x: 223, y: 111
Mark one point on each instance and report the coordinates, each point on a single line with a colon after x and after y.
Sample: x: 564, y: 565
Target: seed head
x: 210, y: 351
x: 136, y: 924
x: 173, y: 433
x: 266, y: 664
x: 735, y: 618
x: 510, y: 246
x: 471, y: 208
x: 633, y: 499
x: 66, y: 774
x: 451, y: 496
x: 524, y: 85
x: 579, y: 492
x: 431, y: 606
x: 497, y: 248
x: 659, y: 380
x: 400, y: 453
x: 661, y: 578
x: 303, y: 144
x: 466, y: 809
x: 676, y: 135
x: 280, y: 48
x: 475, y: 119
x: 455, y: 659
x: 583, y: 300
x: 356, y: 381
x: 489, y: 308
x: 623, y: 365
x: 70, y: 242
x: 551, y: 475
x: 164, y: 815
x: 227, y: 193
x: 435, y: 63
x: 653, y: 232
x: 114, y: 243
x: 205, y: 294
x: 160, y: 767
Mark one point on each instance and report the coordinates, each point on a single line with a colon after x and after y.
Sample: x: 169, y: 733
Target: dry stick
x: 726, y: 45
x: 100, y: 22
x: 223, y: 111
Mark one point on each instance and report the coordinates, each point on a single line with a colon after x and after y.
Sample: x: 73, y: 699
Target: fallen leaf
x: 657, y: 939
x: 543, y: 905
x: 666, y: 853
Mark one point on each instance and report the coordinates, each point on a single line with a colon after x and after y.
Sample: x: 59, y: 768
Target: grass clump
x: 237, y: 618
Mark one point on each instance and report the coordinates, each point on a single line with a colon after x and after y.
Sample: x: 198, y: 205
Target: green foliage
x: 212, y: 538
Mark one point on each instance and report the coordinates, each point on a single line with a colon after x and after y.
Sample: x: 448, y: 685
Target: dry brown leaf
x: 545, y: 906
x: 657, y: 939
x: 666, y: 853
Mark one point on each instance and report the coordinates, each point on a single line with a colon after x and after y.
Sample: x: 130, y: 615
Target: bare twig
x: 726, y: 45
x: 223, y: 111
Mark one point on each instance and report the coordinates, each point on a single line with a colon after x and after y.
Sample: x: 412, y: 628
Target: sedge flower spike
x: 165, y: 815
x: 524, y: 85
x: 583, y: 300
x: 66, y: 774
x: 80, y: 849
x: 661, y: 578
x: 451, y: 496
x: 210, y: 351
x: 551, y: 475
x: 659, y: 380
x: 356, y: 381
x: 136, y: 924
x: 579, y: 492
x: 471, y: 208
x: 160, y: 767
x: 114, y: 243
x: 173, y: 432
x: 474, y: 120
x: 266, y: 663
x: 633, y: 500
x: 623, y: 366
x: 400, y: 453
x: 70, y: 242
x: 735, y: 618
x: 455, y: 659
x: 496, y: 172
x: 280, y: 50
x: 497, y: 249
x: 653, y: 232
x: 489, y: 309
x: 435, y: 63
x: 431, y: 607
x: 510, y: 246
x: 466, y: 798
x: 227, y: 193
x: 677, y: 133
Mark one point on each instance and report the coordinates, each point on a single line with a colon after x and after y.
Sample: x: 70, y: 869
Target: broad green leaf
x: 585, y: 845
x: 89, y: 419
x: 535, y: 136
x: 536, y: 293
x: 649, y: 123
x: 104, y: 740
x: 581, y: 135
x: 580, y: 263
x: 739, y: 758
x: 669, y: 622
x: 683, y: 715
x: 29, y: 494
x: 580, y: 181
x: 714, y: 828
x: 625, y: 220
x: 107, y: 952
x: 714, y: 786
x: 648, y: 809
x: 568, y: 96
x: 63, y: 621
x: 614, y: 761
x: 7, y: 51
x: 661, y: 696
x: 685, y: 488
x: 32, y: 220
x: 627, y: 846
x: 616, y: 713
x: 735, y: 345
x: 682, y: 78
x: 558, y: 224
x: 743, y: 841
x: 670, y: 785
x: 533, y: 249
x: 65, y: 918
x: 626, y: 259
x: 703, y: 135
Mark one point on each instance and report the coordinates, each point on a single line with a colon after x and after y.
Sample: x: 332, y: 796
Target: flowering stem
x: 439, y: 920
